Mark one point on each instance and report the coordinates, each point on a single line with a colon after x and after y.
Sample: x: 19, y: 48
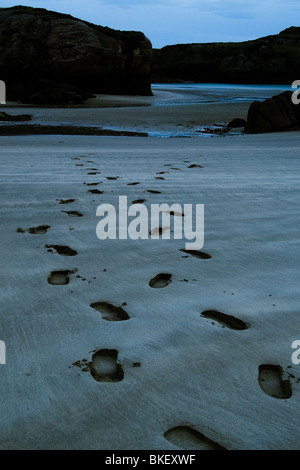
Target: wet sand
x: 124, y: 344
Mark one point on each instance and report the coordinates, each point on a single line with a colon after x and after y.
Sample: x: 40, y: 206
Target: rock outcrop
x: 271, y: 60
x: 275, y: 114
x: 53, y: 58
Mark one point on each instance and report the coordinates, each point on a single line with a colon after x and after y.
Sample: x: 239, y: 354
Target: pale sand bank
x: 175, y: 367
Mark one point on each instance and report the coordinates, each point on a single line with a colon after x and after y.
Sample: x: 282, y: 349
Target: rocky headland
x: 56, y: 59
x: 270, y: 60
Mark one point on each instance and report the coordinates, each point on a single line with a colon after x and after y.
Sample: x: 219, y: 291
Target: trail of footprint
x: 188, y: 438
x: 73, y: 213
x: 161, y: 280
x: 39, y: 230
x: 226, y: 320
x: 105, y: 366
x: 62, y: 250
x: 271, y: 381
x: 110, y: 312
x: 197, y: 254
x: 60, y: 278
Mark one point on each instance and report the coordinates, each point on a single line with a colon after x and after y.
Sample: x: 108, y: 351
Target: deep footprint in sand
x: 158, y: 231
x: 138, y: 201
x: 194, y: 165
x: 174, y: 213
x: 226, y: 320
x: 105, y: 366
x: 133, y: 184
x: 39, y: 230
x: 161, y: 280
x: 66, y: 201
x: 60, y: 278
x: 197, y: 254
x: 73, y: 213
x: 271, y: 381
x: 95, y: 191
x: 110, y: 312
x: 152, y: 191
x: 188, y: 438
x: 63, y: 250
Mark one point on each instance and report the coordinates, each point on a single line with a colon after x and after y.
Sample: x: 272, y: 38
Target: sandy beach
x: 135, y: 344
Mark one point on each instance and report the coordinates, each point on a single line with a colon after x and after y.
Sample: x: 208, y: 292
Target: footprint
x: 271, y: 382
x: 161, y: 280
x: 110, y: 312
x: 158, y: 230
x: 94, y: 173
x: 93, y: 184
x: 188, y: 438
x: 174, y: 213
x: 66, y: 201
x: 161, y: 172
x: 159, y: 178
x: 194, y: 165
x: 95, y: 191
x: 153, y: 191
x: 226, y: 320
x: 41, y: 229
x: 60, y: 278
x: 133, y: 184
x: 112, y: 177
x: 104, y: 366
x: 73, y: 213
x: 63, y: 250
x: 197, y: 254
x: 138, y: 201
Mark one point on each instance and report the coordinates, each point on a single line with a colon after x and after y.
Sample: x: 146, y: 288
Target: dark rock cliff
x: 272, y: 59
x: 53, y: 58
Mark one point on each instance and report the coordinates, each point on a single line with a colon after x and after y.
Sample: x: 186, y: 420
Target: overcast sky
x: 182, y: 21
